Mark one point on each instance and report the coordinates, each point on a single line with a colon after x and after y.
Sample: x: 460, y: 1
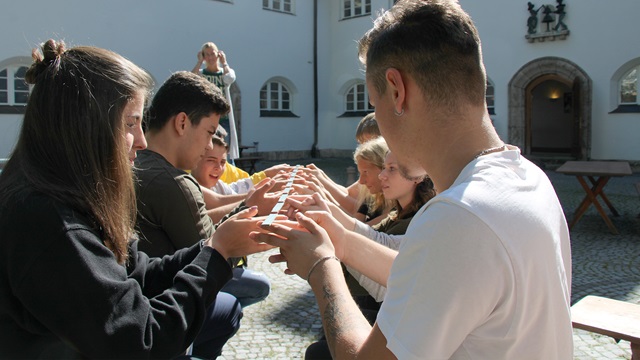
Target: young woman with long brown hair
x: 72, y: 283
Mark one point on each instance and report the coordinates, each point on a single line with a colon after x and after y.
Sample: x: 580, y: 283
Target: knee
x: 262, y: 286
x: 231, y: 313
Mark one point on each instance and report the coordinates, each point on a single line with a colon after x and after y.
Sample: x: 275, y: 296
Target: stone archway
x: 518, y: 99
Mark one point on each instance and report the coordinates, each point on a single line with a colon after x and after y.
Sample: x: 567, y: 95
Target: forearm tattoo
x: 337, y: 321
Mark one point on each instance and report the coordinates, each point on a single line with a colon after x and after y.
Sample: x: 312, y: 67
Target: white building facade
x: 569, y: 92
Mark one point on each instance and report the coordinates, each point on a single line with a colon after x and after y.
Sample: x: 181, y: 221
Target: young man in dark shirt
x: 172, y: 215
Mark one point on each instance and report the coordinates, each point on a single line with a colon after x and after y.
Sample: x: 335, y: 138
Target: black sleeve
x: 156, y: 274
x: 363, y: 209
x: 74, y: 287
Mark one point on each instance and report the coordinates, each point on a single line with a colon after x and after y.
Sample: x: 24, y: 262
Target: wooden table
x: 247, y: 163
x: 241, y: 148
x: 615, y: 318
x: 598, y: 173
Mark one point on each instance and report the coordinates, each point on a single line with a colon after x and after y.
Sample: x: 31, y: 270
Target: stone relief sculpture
x: 561, y: 15
x: 551, y: 16
x: 532, y: 21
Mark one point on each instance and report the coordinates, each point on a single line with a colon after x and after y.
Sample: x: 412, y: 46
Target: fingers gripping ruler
x: 285, y: 192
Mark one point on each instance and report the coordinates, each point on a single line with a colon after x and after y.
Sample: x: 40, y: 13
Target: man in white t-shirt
x: 484, y: 271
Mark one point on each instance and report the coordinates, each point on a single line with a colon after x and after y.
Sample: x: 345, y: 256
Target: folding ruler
x: 285, y: 192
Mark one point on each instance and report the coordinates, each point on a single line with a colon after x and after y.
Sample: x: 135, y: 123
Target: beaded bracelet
x: 322, y: 259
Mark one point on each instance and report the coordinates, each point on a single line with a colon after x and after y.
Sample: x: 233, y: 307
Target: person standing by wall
x: 218, y: 71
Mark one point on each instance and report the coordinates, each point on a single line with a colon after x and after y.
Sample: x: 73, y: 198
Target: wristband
x: 225, y: 64
x: 322, y: 259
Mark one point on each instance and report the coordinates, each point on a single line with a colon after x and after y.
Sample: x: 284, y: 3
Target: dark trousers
x: 222, y: 322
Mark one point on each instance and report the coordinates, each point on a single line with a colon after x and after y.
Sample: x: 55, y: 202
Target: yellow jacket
x: 232, y: 174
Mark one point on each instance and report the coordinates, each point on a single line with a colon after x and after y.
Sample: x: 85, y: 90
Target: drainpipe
x: 314, y: 147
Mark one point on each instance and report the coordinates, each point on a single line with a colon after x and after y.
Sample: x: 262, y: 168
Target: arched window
x: 491, y: 97
x: 624, y: 88
x: 355, y: 8
x: 628, y: 88
x: 275, y: 100
x: 14, y: 91
x: 356, y: 101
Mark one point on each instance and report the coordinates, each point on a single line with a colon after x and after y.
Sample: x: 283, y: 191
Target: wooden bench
x: 615, y: 318
x: 247, y: 163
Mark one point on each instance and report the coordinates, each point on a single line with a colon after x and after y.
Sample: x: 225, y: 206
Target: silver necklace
x: 491, y: 150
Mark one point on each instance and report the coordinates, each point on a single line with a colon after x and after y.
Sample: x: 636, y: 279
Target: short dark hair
x: 435, y: 42
x: 217, y: 140
x: 367, y: 127
x: 185, y: 92
x: 221, y: 132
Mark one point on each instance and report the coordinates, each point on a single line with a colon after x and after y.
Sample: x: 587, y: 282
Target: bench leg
x: 635, y: 351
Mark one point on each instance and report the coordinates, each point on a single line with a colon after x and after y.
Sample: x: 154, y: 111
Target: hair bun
x: 49, y: 54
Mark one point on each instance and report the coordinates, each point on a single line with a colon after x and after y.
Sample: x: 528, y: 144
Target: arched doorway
x: 549, y: 118
x: 550, y: 109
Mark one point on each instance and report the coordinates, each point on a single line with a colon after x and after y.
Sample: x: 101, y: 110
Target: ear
x: 397, y: 90
x: 180, y: 123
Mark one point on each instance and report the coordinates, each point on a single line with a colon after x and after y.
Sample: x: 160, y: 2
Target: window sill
x: 354, y: 17
x: 280, y: 114
x: 12, y: 109
x: 349, y: 114
x: 625, y: 109
x: 278, y: 11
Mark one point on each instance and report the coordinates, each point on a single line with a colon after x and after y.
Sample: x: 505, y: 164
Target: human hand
x: 301, y: 244
x: 283, y: 181
x: 314, y: 170
x: 309, y: 188
x: 231, y: 238
x: 222, y: 57
x: 259, y: 196
x: 306, y: 202
x: 336, y: 231
x: 200, y: 56
x: 316, y: 206
x: 313, y: 181
x: 276, y: 169
x: 301, y: 189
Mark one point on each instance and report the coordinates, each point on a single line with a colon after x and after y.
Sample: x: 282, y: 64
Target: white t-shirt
x: 241, y: 186
x: 484, y: 270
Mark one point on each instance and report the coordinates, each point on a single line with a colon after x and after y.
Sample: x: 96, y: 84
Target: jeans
x: 248, y: 286
x: 221, y: 323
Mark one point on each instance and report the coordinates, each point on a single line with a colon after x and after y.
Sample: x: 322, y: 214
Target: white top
x: 241, y: 186
x: 484, y: 270
x: 228, y: 79
x: 374, y: 289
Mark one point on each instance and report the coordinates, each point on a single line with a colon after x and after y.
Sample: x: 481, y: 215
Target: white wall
x: 341, y: 67
x: 602, y: 39
x: 163, y: 36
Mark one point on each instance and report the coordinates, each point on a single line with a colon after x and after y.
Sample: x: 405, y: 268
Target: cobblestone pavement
x: 283, y: 325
